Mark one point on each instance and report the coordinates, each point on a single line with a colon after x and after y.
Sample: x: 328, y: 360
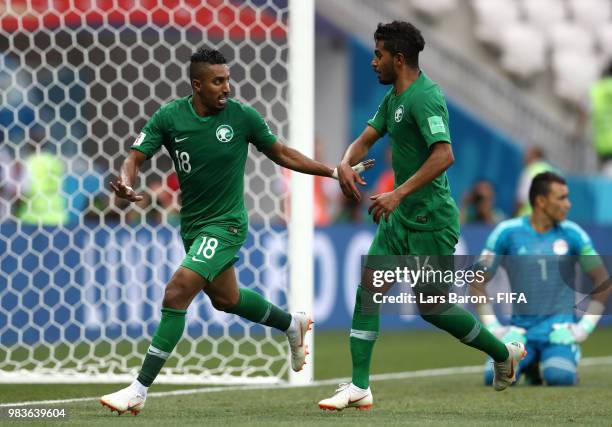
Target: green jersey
x: 415, y: 120
x: 209, y: 155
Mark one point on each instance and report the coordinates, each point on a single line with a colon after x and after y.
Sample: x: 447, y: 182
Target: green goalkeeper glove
x: 571, y: 333
x: 507, y: 334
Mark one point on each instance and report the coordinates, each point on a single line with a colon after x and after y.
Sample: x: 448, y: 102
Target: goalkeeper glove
x: 506, y: 334
x: 570, y: 333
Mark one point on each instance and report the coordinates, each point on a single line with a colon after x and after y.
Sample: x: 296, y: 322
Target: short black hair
x: 401, y: 37
x: 540, y: 185
x: 204, y: 56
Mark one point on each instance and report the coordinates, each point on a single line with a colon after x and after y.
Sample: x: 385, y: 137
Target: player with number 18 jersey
x: 209, y: 155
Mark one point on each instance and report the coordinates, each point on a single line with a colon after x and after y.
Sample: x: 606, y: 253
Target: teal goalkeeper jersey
x: 209, y: 155
x: 415, y: 120
x: 542, y: 267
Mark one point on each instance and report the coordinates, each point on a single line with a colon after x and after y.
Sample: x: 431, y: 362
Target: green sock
x: 364, y: 332
x: 461, y: 324
x: 167, y: 335
x: 254, y: 307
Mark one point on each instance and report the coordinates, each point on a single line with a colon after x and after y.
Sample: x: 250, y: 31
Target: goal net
x: 82, y: 274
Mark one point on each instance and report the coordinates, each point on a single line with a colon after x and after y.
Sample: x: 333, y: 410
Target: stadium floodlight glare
x: 81, y: 296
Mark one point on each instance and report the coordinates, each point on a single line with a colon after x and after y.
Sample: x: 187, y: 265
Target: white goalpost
x: 81, y: 274
x: 301, y: 137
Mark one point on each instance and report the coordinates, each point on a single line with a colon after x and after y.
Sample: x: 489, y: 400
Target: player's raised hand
x: 125, y: 191
x: 384, y: 204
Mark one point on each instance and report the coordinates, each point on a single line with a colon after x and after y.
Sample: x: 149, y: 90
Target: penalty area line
x: 457, y: 370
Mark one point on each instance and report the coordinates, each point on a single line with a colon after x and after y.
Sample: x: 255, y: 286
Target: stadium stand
x: 434, y: 9
x: 529, y: 38
x: 574, y: 73
x: 590, y: 13
x: 490, y: 16
x: 523, y: 50
x: 570, y: 37
x: 543, y: 14
x: 570, y: 28
x: 603, y: 35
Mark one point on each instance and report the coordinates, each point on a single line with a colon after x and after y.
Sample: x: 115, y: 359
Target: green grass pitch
x: 457, y: 399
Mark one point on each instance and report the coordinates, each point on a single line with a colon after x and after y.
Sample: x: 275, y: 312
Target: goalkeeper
x: 207, y: 135
x: 536, y: 251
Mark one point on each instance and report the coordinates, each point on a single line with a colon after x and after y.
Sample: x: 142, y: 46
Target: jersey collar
x: 193, y: 111
x: 412, y: 87
x: 527, y: 223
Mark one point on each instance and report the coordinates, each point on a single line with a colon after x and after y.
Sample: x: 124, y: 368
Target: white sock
x: 139, y: 388
x: 357, y: 389
x: 292, y: 325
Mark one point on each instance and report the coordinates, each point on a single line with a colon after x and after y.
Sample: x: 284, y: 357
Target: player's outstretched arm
x: 347, y: 175
x: 123, y: 187
x: 290, y: 158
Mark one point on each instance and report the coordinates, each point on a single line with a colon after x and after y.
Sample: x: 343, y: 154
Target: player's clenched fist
x: 125, y: 191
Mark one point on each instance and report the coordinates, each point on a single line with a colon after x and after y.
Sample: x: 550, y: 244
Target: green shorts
x: 395, y: 245
x: 393, y: 238
x: 213, y: 251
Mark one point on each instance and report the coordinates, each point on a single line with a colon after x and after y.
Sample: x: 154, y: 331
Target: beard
x: 385, y: 78
x: 384, y: 81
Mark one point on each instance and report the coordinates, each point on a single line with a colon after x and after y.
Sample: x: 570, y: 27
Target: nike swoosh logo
x: 130, y: 407
x: 180, y: 140
x: 198, y: 260
x: 355, y: 401
x: 511, y: 375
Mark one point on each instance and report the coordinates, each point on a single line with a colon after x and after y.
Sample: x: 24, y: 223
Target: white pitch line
x: 458, y: 370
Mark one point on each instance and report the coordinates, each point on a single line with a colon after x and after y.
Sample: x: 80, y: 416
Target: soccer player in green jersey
x: 207, y: 135
x: 418, y: 217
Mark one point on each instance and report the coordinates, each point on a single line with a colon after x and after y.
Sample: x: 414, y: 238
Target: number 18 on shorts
x: 209, y: 255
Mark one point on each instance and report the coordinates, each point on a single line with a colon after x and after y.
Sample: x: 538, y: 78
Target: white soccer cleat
x: 505, y: 372
x: 295, y: 336
x: 348, y: 396
x: 124, y: 400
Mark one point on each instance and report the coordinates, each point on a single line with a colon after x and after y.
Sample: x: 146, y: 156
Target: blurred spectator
x: 12, y: 179
x: 160, y: 205
x: 350, y: 211
x: 43, y: 201
x: 165, y: 204
x: 478, y: 205
x: 601, y: 113
x: 99, y: 207
x: 84, y: 179
x: 138, y: 213
x: 535, y: 163
x: 386, y: 180
x: 326, y: 193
